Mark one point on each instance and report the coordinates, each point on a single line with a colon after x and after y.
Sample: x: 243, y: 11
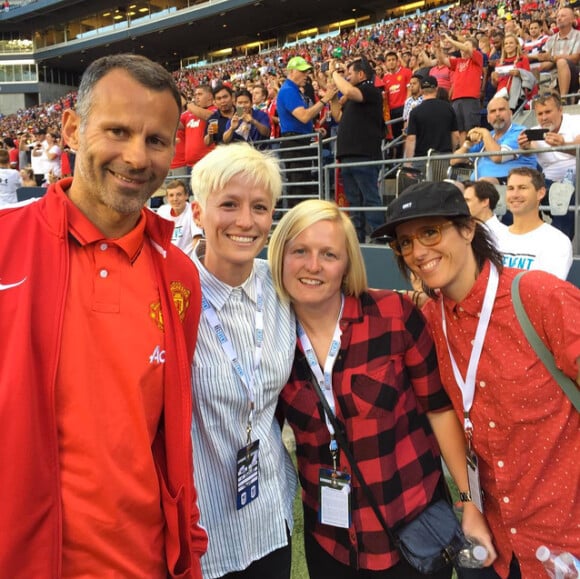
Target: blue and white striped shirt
x: 220, y: 414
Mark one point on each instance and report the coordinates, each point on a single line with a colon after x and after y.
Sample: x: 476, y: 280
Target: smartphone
x: 240, y: 111
x: 324, y: 66
x: 536, y: 134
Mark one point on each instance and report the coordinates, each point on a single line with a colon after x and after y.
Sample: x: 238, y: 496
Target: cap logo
x: 406, y: 206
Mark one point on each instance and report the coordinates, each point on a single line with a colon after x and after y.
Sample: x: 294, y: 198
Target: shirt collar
x: 472, y: 303
x: 85, y: 232
x: 215, y: 291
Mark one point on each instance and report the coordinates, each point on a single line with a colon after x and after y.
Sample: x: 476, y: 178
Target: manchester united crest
x: 180, y: 295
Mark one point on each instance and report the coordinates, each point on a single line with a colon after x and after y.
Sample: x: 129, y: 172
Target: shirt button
x: 513, y: 531
x: 103, y: 273
x: 492, y: 424
x: 482, y: 384
x: 500, y: 463
x: 472, y: 342
x: 506, y: 500
x: 104, y: 246
x: 461, y: 309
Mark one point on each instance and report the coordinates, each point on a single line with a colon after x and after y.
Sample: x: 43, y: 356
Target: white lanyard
x: 228, y: 348
x: 467, y: 386
x: 324, y: 379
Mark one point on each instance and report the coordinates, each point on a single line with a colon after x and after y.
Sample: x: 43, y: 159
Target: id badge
x: 247, y: 474
x: 334, y: 498
x: 473, y: 478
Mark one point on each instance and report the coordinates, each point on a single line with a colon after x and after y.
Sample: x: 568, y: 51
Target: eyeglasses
x: 427, y: 236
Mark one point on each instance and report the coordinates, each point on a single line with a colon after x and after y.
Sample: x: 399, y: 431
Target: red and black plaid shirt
x: 385, y: 378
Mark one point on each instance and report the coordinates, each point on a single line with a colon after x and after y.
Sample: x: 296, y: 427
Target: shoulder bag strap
x: 340, y: 438
x: 568, y: 386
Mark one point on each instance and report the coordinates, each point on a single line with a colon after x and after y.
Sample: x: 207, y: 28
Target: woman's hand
x: 475, y: 526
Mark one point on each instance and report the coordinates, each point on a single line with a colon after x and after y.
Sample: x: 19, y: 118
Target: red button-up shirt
x: 384, y: 379
x: 525, y: 430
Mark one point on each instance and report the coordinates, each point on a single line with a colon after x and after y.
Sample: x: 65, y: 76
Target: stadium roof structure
x: 177, y: 34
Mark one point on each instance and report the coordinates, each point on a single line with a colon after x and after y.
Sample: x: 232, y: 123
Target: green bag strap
x: 568, y: 386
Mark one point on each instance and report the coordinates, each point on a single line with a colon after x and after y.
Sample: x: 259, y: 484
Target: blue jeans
x: 362, y: 190
x: 489, y: 573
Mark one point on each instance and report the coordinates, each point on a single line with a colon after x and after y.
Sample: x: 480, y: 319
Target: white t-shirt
x: 185, y: 228
x: 555, y: 163
x: 545, y: 248
x: 497, y: 229
x: 10, y: 180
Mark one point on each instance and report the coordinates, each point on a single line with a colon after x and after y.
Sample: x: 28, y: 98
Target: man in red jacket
x: 98, y: 315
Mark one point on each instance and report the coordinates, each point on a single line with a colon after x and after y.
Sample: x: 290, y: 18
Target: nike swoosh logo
x: 11, y: 285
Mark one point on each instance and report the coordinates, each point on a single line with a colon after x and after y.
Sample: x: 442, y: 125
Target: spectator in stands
x: 296, y: 115
x: 432, y: 125
x: 38, y: 157
x: 482, y: 198
x: 194, y: 120
x: 535, y: 43
x: 260, y: 97
x: 512, y: 72
x: 223, y: 97
x: 242, y: 361
x: 530, y: 243
x: 360, y: 344
x: 522, y: 427
x: 247, y: 124
x: 53, y: 156
x: 27, y: 175
x: 360, y: 134
x: 562, y: 52
x: 467, y: 79
x: 177, y: 166
x: 415, y: 97
x: 10, y: 180
x: 563, y: 129
x: 99, y: 327
x: 396, y: 81
x: 502, y: 139
x: 178, y: 210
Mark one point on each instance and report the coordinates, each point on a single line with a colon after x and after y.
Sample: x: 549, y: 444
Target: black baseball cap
x: 429, y: 82
x: 426, y: 199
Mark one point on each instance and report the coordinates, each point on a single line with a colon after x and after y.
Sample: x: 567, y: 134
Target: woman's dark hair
x: 482, y: 245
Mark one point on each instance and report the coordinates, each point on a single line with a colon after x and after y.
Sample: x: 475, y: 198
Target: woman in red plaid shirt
x: 372, y: 355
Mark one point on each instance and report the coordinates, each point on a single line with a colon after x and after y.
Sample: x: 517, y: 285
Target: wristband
x: 465, y: 497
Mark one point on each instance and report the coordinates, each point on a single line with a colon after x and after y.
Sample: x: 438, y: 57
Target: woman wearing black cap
x: 522, y: 429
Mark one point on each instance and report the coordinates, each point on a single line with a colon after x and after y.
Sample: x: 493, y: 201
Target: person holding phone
x: 247, y: 124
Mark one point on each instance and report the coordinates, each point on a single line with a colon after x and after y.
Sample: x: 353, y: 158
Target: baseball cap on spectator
x: 298, y: 63
x: 426, y: 199
x: 429, y: 82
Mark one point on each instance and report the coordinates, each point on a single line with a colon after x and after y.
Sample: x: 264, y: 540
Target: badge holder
x: 247, y: 463
x: 334, y: 494
x: 473, y: 474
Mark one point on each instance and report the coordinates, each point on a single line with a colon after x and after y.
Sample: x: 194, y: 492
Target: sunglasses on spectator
x: 427, y: 236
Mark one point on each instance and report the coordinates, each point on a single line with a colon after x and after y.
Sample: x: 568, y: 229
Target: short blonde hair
x: 225, y: 162
x: 295, y: 222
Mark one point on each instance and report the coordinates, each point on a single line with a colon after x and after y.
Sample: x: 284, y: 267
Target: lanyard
x: 228, y: 348
x: 467, y: 386
x: 324, y: 379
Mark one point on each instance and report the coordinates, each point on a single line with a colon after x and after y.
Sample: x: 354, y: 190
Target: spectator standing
x: 395, y: 82
x: 432, y: 125
x: 360, y: 134
x: 38, y: 158
x: 296, y: 115
x: 563, y: 129
x: 415, y: 97
x: 223, y: 97
x: 502, y: 139
x: 10, y: 180
x: 467, y: 80
x: 530, y: 243
x: 522, y: 428
x: 194, y: 120
x: 106, y: 485
x: 53, y: 156
x: 247, y: 124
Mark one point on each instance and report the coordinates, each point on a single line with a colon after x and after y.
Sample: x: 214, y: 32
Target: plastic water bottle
x: 558, y: 565
x: 473, y: 556
x: 570, y: 177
